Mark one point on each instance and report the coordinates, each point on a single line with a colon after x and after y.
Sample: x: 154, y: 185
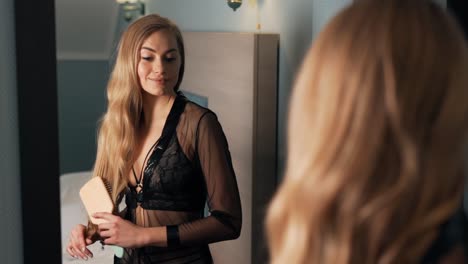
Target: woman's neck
x: 156, y: 109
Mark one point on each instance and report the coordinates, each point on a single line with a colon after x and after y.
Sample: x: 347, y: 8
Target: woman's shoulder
x: 196, y: 112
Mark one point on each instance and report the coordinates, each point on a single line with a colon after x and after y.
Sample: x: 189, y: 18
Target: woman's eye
x: 170, y: 59
x: 146, y: 58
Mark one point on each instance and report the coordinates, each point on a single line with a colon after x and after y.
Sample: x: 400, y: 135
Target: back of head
x: 377, y: 125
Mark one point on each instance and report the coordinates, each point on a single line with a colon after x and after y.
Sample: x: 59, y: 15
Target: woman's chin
x: 159, y: 91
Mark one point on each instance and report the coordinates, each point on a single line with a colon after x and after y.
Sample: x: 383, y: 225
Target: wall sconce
x: 234, y: 4
x: 132, y: 8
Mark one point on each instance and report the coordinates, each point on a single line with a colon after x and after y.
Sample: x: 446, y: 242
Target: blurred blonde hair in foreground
x: 377, y: 125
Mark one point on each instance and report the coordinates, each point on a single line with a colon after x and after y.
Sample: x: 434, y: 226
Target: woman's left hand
x: 120, y: 232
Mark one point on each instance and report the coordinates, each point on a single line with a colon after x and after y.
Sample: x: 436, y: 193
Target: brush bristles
x: 108, y: 186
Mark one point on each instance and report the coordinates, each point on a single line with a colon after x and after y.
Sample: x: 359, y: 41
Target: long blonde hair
x: 118, y: 128
x: 377, y: 124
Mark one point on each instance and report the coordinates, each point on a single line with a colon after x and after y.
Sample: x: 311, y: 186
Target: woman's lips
x: 158, y: 80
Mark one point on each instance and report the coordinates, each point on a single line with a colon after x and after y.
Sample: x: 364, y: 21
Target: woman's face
x: 158, y: 68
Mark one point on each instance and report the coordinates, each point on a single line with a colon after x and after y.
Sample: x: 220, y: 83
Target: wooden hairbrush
x: 95, y: 195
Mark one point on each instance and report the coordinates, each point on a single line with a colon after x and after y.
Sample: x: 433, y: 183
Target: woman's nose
x: 158, y: 66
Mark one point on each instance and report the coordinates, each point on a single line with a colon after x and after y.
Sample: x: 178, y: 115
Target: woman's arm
x: 225, y: 219
x: 123, y: 233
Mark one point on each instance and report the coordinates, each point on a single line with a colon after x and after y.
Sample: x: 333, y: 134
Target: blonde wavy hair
x: 377, y: 125
x: 119, y: 126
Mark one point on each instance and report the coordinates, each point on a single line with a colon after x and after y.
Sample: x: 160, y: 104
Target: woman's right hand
x: 79, y: 239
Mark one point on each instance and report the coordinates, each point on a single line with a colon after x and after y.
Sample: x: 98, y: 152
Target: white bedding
x: 73, y: 212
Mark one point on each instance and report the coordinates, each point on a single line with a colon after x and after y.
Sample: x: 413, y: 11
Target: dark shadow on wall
x: 38, y: 130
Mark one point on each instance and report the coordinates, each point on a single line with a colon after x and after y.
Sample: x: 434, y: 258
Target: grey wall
x: 297, y: 22
x: 81, y: 102
x: 82, y: 79
x: 11, y: 250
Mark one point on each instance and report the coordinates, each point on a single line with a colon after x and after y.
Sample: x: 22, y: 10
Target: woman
x: 167, y: 155
x: 378, y: 123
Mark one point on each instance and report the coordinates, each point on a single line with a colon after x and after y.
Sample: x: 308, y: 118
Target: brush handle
x: 118, y: 251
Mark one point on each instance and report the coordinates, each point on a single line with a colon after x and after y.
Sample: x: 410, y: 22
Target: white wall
x: 11, y: 250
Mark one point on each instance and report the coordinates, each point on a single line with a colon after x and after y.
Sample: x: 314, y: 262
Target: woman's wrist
x: 153, y: 236
x: 142, y: 237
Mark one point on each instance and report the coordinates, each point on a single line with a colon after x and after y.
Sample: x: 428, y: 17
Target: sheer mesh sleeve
x: 225, y: 219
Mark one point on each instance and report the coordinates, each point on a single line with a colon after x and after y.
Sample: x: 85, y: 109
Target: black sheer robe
x: 194, y: 169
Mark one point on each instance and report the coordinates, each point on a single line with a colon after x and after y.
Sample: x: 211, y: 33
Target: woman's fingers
x: 120, y: 232
x: 109, y: 241
x: 106, y: 233
x: 75, y: 249
x: 77, y: 245
x: 117, y: 231
x: 78, y: 238
x: 74, y: 244
x: 70, y: 251
x: 106, y: 226
x: 89, y: 241
x: 106, y: 216
x: 110, y: 228
x: 88, y: 253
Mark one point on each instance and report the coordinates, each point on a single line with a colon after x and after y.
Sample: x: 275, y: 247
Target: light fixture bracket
x: 234, y: 4
x: 132, y: 8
